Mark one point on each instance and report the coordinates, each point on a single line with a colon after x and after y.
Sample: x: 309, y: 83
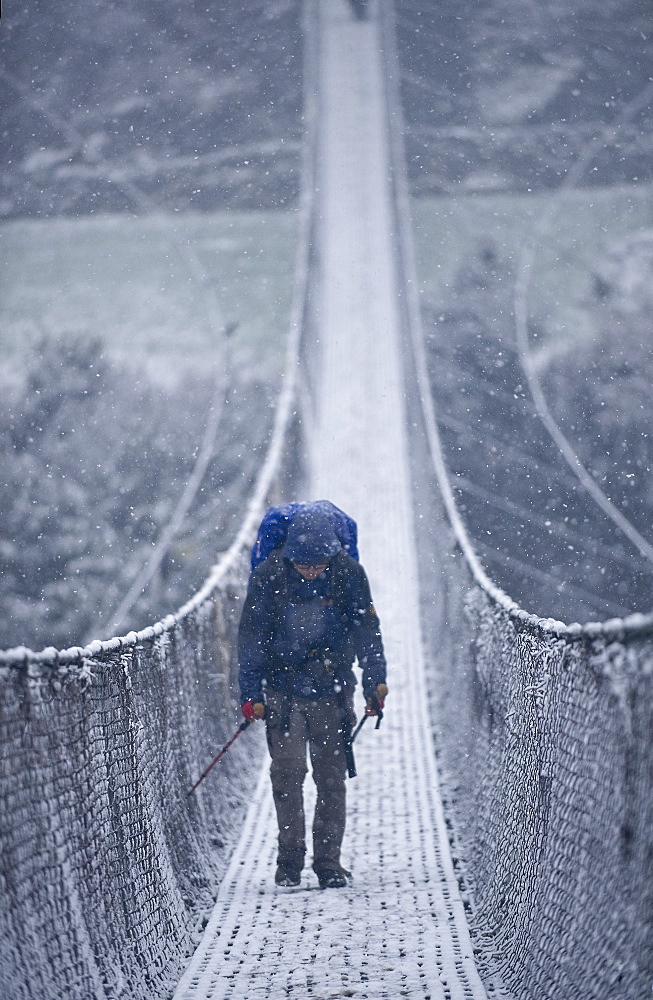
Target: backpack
x: 273, y: 530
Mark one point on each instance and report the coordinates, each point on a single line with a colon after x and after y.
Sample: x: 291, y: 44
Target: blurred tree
x: 94, y: 460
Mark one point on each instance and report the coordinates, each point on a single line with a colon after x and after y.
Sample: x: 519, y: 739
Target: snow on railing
x: 108, y: 864
x: 543, y: 731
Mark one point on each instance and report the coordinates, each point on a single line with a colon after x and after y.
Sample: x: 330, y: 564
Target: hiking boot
x: 288, y: 876
x: 333, y: 878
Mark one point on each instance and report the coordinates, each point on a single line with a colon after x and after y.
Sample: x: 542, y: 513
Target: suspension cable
x: 522, y: 283
x: 284, y: 413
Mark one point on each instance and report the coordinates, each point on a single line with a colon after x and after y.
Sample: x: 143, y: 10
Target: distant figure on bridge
x: 360, y: 9
x: 307, y: 615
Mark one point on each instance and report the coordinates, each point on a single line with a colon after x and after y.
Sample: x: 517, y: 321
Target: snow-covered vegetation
x: 110, y: 368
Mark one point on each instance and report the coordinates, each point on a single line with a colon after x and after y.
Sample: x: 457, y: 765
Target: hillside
x: 199, y: 105
x: 503, y: 95
x: 122, y: 108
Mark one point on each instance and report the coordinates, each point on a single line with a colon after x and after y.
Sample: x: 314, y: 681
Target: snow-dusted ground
x: 399, y: 929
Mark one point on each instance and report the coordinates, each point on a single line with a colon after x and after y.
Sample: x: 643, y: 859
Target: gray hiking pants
x: 317, y: 724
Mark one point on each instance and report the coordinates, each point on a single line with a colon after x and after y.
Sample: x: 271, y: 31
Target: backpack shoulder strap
x: 342, y: 566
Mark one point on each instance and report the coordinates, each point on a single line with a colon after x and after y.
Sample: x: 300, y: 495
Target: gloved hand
x: 253, y: 710
x: 377, y: 701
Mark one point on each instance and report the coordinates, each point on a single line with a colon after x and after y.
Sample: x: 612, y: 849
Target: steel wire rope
x: 176, y: 519
x: 512, y: 509
x: 216, y: 324
x: 206, y: 448
x: 522, y: 283
x: 284, y: 412
x: 631, y: 624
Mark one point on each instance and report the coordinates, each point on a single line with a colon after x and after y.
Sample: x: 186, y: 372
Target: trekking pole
x: 358, y: 728
x: 349, y: 758
x: 379, y: 717
x: 241, y: 728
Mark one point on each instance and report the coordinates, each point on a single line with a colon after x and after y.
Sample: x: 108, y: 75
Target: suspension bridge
x: 499, y: 829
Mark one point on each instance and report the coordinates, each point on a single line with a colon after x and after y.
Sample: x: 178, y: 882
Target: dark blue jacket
x: 305, y: 635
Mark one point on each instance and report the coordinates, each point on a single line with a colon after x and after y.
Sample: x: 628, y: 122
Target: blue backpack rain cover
x: 274, y: 528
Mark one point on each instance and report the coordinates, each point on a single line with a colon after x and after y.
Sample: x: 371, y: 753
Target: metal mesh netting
x: 106, y: 860
x: 109, y: 866
x: 545, y: 745
x: 543, y: 733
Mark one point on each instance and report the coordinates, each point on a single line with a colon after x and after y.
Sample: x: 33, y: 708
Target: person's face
x: 310, y: 572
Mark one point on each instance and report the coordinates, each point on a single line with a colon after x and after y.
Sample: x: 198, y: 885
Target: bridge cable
x: 522, y: 282
x: 286, y: 410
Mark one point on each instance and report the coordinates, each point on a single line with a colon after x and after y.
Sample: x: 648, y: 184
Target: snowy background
x: 146, y: 273
x: 501, y: 100
x: 149, y: 183
x: 150, y: 156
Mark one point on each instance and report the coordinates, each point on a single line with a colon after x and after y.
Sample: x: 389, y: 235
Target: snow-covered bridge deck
x: 399, y: 929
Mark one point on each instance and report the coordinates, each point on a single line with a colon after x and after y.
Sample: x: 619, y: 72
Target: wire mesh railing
x: 109, y: 867
x: 543, y: 732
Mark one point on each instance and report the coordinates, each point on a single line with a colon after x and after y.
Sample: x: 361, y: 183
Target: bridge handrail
x: 543, y: 734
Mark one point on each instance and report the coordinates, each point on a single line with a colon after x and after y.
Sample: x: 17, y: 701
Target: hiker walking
x: 307, y: 616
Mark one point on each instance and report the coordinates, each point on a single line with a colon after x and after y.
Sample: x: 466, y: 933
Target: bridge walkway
x: 399, y: 929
